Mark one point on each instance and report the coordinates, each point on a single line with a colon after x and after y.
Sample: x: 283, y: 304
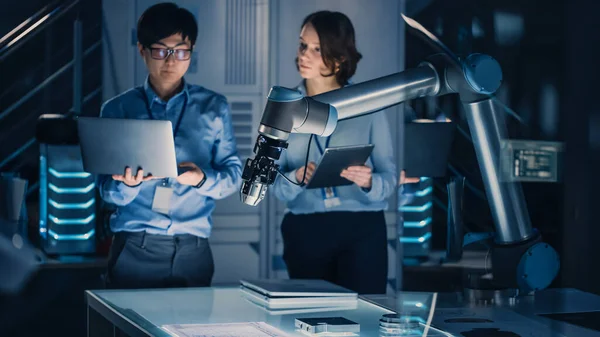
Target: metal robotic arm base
x: 516, y: 268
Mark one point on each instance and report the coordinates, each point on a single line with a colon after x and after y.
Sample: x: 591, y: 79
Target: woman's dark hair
x: 163, y: 20
x: 336, y: 37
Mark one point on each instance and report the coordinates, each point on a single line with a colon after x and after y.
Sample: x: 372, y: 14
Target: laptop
x: 287, y: 310
x: 298, y: 302
x: 427, y: 148
x: 297, y: 288
x: 109, y: 145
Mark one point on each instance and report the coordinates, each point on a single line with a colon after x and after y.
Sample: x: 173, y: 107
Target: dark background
x: 557, y: 47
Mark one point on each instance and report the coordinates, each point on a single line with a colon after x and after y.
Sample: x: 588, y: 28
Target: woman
x: 337, y: 234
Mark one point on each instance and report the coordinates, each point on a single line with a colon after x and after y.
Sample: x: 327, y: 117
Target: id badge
x: 162, y: 198
x: 330, y: 198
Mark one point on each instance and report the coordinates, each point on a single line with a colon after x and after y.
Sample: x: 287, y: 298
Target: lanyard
x: 321, y: 150
x: 149, y: 111
x: 329, y: 194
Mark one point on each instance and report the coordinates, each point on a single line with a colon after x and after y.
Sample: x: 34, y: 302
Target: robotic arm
x: 287, y: 111
x: 518, y: 253
x: 518, y: 248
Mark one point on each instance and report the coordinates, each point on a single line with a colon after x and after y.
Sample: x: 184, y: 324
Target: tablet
x: 427, y: 148
x: 109, y: 145
x: 334, y: 161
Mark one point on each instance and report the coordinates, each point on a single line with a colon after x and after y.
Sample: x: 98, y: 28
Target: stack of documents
x: 293, y: 296
x: 250, y: 329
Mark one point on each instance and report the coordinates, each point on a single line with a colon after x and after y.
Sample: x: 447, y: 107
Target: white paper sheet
x: 249, y: 329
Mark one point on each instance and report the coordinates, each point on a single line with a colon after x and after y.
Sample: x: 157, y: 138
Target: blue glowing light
x: 71, y: 221
x: 421, y: 239
x: 424, y: 192
x: 415, y: 209
x: 68, y: 174
x: 71, y: 190
x: 59, y: 205
x: 417, y: 224
x: 71, y: 237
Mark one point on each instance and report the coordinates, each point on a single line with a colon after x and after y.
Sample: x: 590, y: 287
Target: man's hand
x: 192, y: 177
x: 409, y: 180
x: 132, y: 180
x: 310, y: 169
x: 360, y: 175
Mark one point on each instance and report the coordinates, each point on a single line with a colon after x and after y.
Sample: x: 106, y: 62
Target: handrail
x: 26, y: 31
x: 32, y: 141
x: 41, y: 66
x: 33, y: 30
x: 48, y: 80
x: 24, y: 24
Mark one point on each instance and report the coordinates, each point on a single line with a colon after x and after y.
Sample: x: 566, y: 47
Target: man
x: 157, y: 245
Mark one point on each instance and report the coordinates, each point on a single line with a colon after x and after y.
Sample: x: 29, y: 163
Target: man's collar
x: 151, y: 95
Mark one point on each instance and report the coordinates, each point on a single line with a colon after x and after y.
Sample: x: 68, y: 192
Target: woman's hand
x: 360, y: 175
x: 409, y: 180
x: 310, y: 169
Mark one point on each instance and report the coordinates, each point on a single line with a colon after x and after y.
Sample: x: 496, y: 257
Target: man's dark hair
x: 336, y: 37
x: 163, y: 20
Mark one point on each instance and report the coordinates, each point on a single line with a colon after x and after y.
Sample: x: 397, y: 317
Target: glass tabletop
x: 557, y: 312
x: 153, y: 309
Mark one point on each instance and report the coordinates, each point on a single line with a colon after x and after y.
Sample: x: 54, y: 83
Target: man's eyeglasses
x: 163, y: 53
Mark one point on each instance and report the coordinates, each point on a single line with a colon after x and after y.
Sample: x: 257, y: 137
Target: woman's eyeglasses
x: 163, y: 53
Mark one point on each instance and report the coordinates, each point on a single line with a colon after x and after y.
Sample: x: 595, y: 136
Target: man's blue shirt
x: 205, y: 137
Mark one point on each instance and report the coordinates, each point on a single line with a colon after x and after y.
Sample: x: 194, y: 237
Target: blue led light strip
x: 413, y: 209
x: 71, y: 237
x: 421, y: 239
x: 68, y: 174
x: 424, y: 192
x: 71, y: 221
x: 59, y: 205
x: 417, y: 224
x: 74, y: 190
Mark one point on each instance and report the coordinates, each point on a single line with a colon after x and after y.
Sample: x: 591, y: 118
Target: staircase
x: 51, y: 63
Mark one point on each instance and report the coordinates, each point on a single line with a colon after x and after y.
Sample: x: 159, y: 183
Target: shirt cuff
x: 126, y: 189
x: 203, y: 181
x: 295, y: 189
x: 210, y: 179
x: 376, y: 185
x: 292, y: 176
